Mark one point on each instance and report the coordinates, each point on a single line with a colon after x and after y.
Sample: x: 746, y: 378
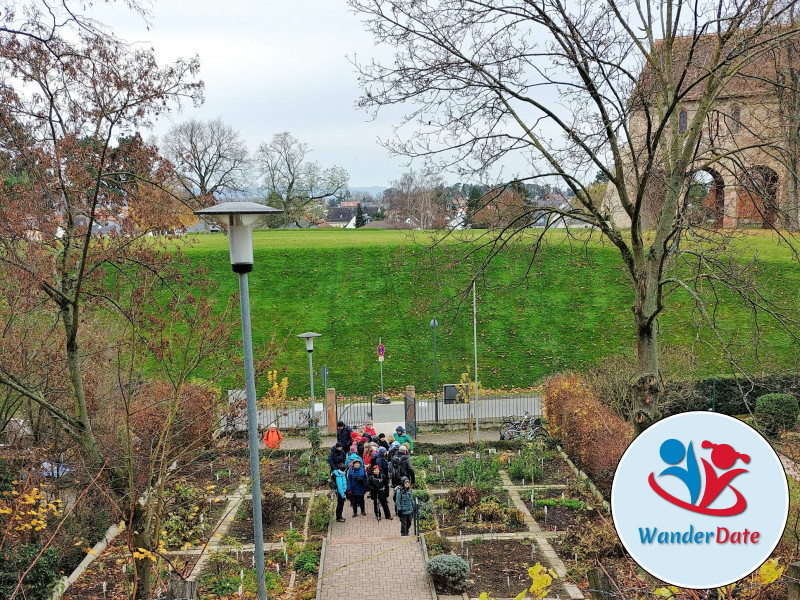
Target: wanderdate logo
x: 700, y: 500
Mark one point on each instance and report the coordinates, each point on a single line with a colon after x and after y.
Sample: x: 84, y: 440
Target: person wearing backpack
x: 379, y: 492
x: 407, y: 469
x: 339, y: 477
x: 404, y: 501
x: 357, y: 487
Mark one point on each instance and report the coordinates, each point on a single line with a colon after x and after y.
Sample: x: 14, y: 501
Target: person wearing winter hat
x: 382, y: 461
x: 377, y: 484
x: 340, y: 477
x: 402, y: 437
x: 369, y: 428
x: 382, y: 442
x: 404, y: 501
x: 357, y: 487
x: 343, y: 433
x: 336, y: 456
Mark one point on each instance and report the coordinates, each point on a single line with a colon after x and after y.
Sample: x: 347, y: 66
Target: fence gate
x: 355, y: 411
x: 410, y: 405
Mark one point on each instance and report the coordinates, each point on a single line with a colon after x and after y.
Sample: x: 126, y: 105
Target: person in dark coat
x: 336, y: 456
x: 343, y: 434
x: 378, y: 486
x: 404, y: 500
x: 382, y: 441
x: 382, y: 461
x: 357, y: 487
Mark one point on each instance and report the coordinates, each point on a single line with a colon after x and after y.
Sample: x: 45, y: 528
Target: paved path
x: 362, y: 546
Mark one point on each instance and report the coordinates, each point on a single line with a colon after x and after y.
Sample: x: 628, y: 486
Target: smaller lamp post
x: 434, y: 326
x: 309, y: 336
x: 240, y: 218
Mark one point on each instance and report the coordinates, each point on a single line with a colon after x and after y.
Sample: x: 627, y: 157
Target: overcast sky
x: 271, y: 66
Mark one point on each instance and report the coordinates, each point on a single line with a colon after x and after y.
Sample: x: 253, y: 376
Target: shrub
x: 320, y: 513
x: 593, y: 435
x: 591, y: 540
x: 450, y: 573
x: 775, y: 412
x: 307, y: 561
x: 273, y: 503
x: 40, y: 580
x: 490, y: 512
x: 515, y: 517
x: 438, y: 544
x: 483, y: 473
x: 523, y: 468
x: 467, y: 496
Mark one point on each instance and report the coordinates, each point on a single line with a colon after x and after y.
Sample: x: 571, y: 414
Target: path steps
x: 363, y: 546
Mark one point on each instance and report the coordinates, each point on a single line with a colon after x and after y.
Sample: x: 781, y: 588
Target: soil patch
x: 241, y: 528
x: 500, y: 567
x: 555, y: 518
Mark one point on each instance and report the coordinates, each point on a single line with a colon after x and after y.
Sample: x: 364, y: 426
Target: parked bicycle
x: 528, y: 428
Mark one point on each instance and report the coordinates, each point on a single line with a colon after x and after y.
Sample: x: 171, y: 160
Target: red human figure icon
x: 724, y: 457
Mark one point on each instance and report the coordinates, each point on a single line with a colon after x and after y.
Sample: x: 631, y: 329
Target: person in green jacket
x: 401, y: 438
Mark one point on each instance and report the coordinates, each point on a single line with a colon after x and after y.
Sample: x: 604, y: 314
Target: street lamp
x: 240, y: 218
x: 309, y: 336
x: 434, y: 325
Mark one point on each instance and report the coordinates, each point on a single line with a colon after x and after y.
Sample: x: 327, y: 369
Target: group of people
x: 365, y: 462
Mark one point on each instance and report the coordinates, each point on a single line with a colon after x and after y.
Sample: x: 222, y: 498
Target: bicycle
x: 528, y: 428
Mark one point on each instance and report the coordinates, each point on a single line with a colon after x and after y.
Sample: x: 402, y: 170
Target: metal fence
x: 355, y: 410
x: 490, y: 408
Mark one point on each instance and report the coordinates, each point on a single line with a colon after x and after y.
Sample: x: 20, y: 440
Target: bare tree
x: 627, y: 89
x: 210, y: 158
x: 292, y: 183
x: 419, y: 196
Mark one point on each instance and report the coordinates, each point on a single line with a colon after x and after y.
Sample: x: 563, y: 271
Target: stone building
x: 747, y: 156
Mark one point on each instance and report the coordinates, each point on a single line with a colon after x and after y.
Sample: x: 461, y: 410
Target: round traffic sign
x: 381, y: 349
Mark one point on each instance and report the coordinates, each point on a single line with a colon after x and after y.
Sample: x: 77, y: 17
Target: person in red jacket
x: 273, y: 438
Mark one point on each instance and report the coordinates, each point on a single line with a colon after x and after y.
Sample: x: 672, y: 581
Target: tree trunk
x: 141, y: 538
x: 647, y: 386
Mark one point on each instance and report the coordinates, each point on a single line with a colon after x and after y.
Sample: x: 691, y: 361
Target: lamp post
x: 434, y: 325
x: 240, y: 218
x: 309, y: 336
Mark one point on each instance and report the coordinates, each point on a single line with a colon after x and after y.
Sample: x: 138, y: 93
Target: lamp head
x: 240, y: 218
x: 309, y: 338
x: 434, y: 323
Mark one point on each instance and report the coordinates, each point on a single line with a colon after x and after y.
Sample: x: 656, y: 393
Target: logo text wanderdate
x: 721, y: 536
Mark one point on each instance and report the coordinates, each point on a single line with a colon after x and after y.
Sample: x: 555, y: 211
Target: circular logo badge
x: 700, y: 500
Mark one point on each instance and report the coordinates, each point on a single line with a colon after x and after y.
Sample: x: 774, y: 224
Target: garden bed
x: 290, y: 474
x: 500, y: 567
x: 452, y: 519
x: 241, y: 528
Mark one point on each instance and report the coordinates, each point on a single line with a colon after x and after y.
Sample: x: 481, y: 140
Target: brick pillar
x: 330, y: 408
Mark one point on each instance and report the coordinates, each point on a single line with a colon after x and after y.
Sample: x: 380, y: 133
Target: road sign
x: 380, y: 358
x: 381, y: 350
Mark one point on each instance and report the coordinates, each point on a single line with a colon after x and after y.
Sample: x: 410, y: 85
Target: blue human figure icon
x: 672, y: 453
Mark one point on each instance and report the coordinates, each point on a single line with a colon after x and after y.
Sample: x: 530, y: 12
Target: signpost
x: 324, y: 377
x: 381, y: 352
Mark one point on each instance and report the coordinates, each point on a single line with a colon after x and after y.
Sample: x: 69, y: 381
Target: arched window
x: 683, y: 122
x: 736, y: 119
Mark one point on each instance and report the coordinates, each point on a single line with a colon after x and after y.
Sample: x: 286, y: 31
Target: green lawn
x: 572, y: 308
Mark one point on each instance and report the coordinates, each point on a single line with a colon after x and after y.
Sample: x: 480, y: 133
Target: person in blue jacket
x: 404, y: 500
x: 357, y: 487
x: 340, y: 476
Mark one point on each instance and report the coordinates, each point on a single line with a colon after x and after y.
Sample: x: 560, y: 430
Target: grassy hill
x: 566, y: 310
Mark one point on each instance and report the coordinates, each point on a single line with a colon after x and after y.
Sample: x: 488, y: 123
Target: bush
x: 467, y: 496
x: 450, y: 573
x: 523, y: 468
x: 515, y: 518
x: 40, y: 580
x: 273, y: 503
x: 593, y: 435
x: 438, y: 544
x: 591, y: 540
x: 488, y: 512
x: 307, y: 560
x: 775, y: 412
x: 320, y: 513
